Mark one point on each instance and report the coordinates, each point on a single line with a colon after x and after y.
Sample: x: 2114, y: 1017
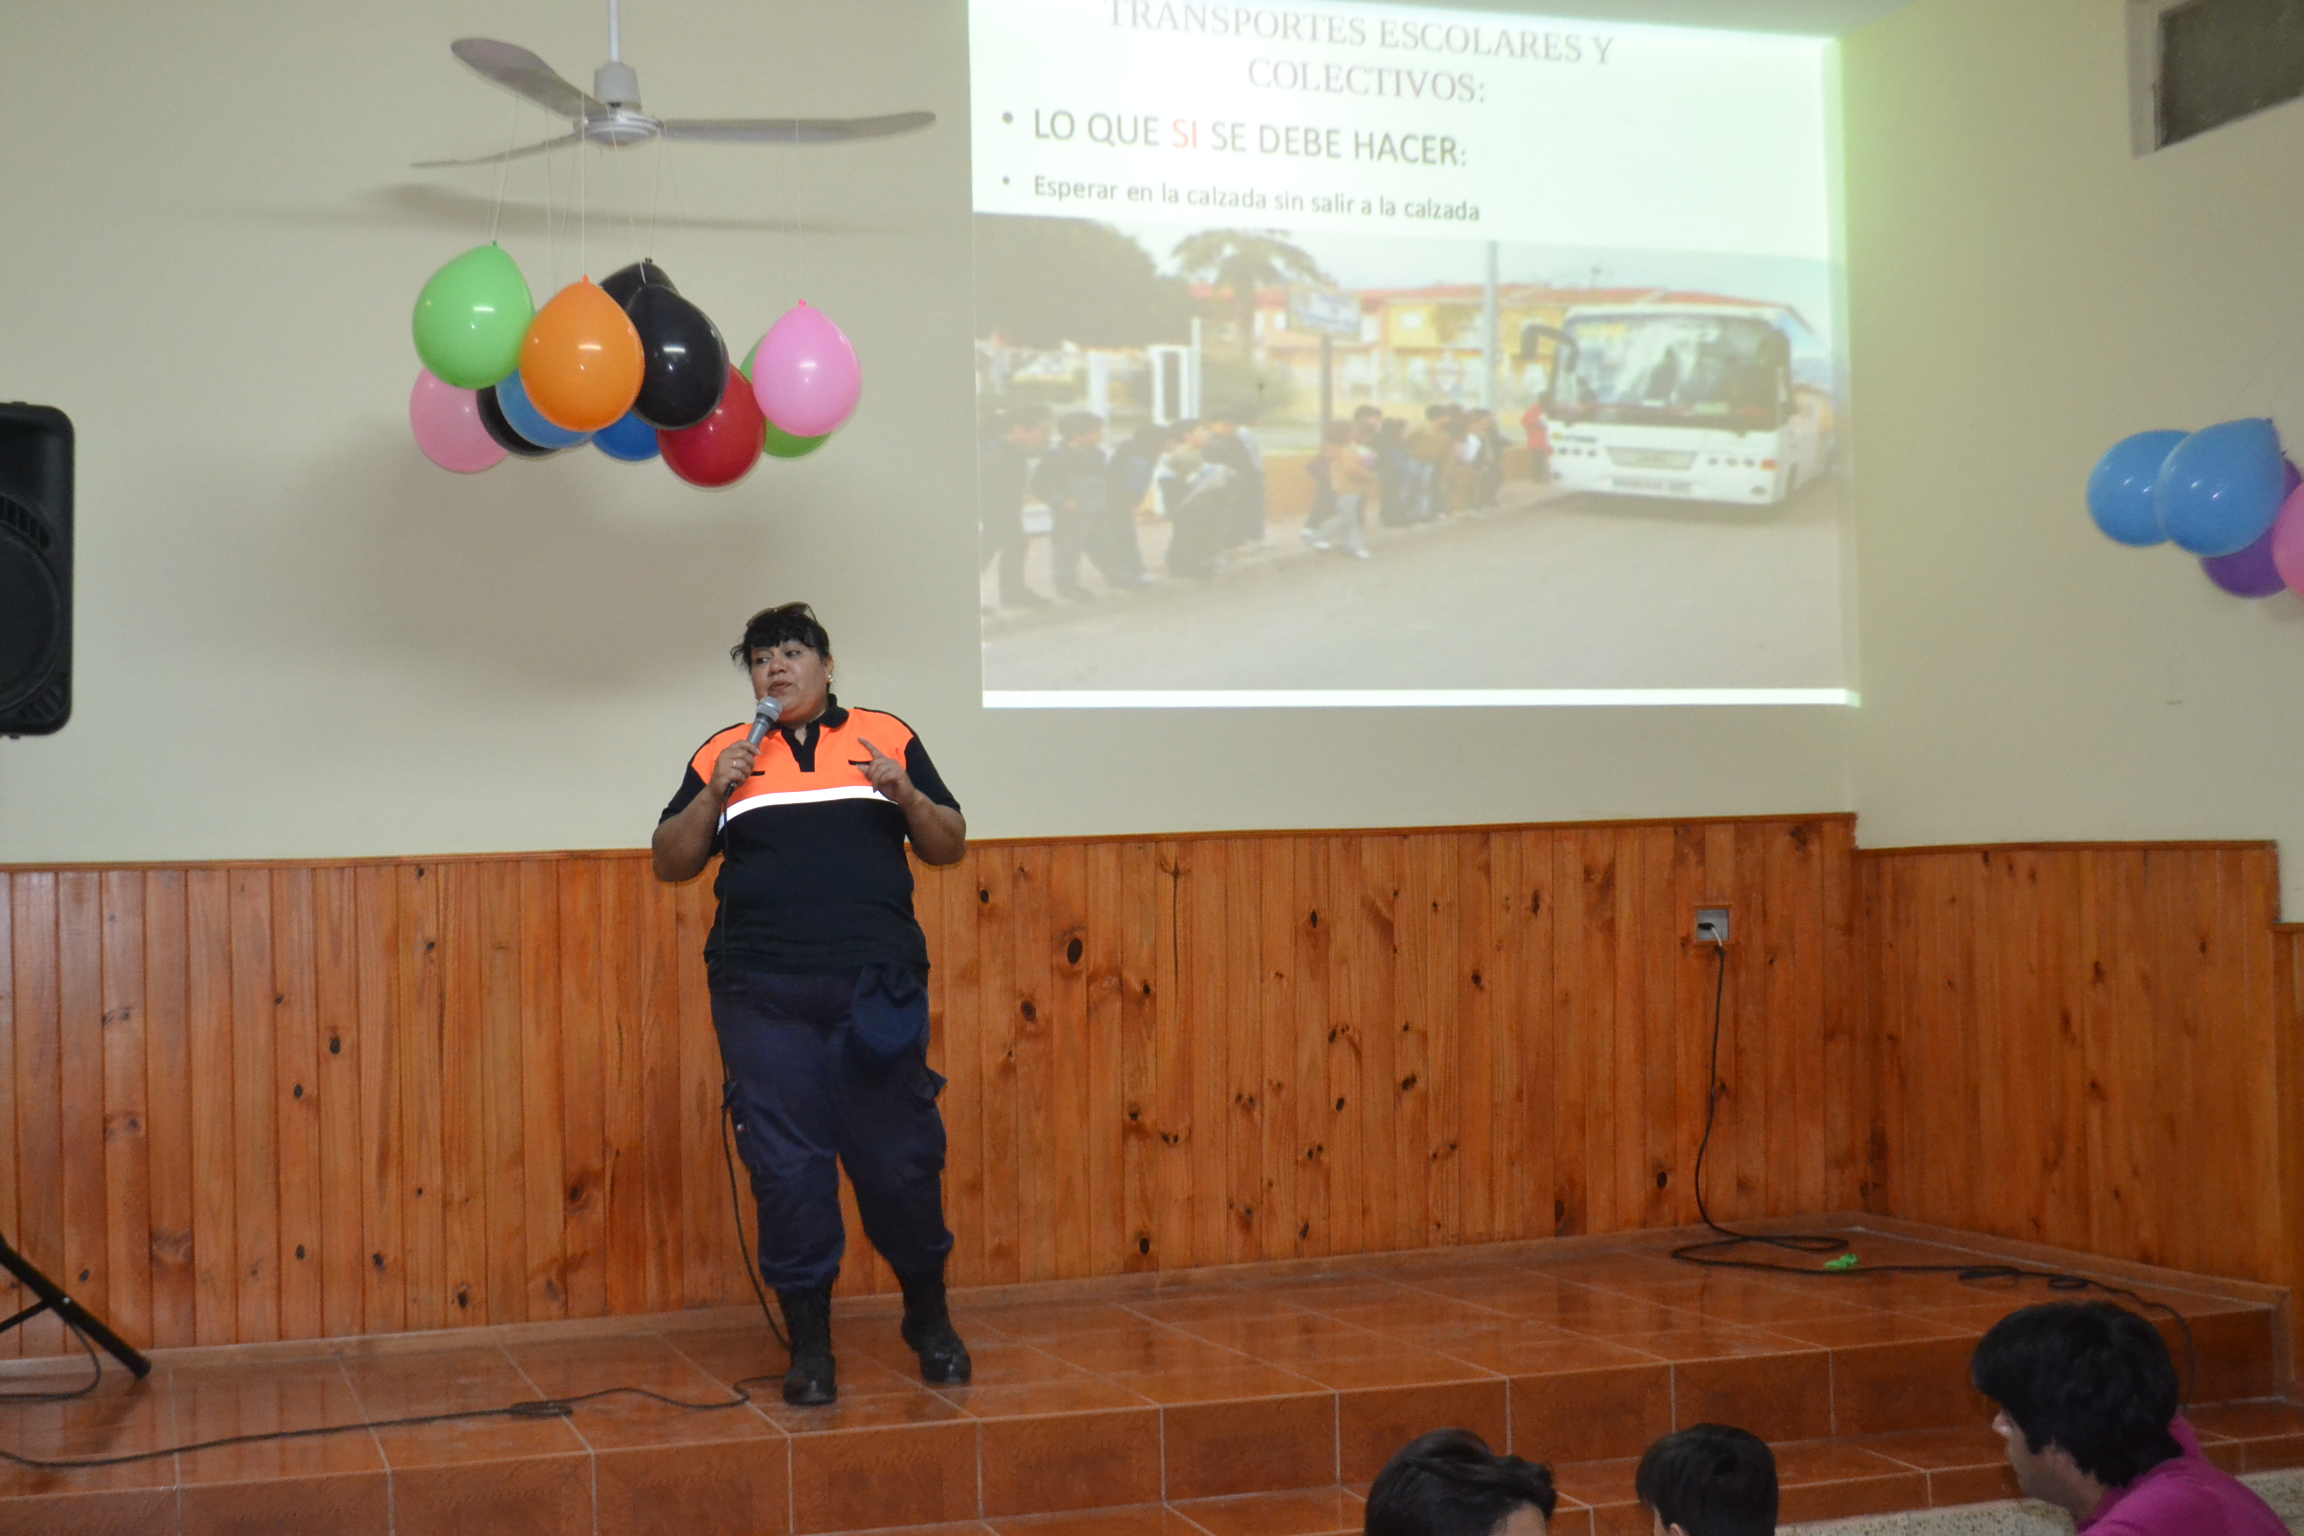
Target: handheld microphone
x: 762, y: 718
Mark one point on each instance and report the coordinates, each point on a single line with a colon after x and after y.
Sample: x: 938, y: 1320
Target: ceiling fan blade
x: 508, y: 154
x: 523, y: 74
x: 793, y: 130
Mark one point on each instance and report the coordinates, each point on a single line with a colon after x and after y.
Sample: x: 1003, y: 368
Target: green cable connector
x: 1845, y: 1261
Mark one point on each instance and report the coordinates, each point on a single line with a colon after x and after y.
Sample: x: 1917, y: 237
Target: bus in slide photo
x: 1691, y: 400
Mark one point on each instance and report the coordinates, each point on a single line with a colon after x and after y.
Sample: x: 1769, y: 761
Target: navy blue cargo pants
x: 805, y: 1092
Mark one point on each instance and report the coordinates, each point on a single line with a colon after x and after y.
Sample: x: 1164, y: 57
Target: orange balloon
x: 581, y: 361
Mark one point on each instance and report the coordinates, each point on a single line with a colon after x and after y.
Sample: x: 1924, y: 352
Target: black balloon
x: 686, y: 361
x: 624, y: 282
x: 492, y: 417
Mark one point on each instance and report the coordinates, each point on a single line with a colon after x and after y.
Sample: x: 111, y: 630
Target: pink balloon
x: 446, y: 421
x: 2288, y: 541
x: 805, y: 374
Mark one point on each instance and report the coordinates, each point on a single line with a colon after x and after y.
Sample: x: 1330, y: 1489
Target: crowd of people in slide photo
x: 1191, y: 498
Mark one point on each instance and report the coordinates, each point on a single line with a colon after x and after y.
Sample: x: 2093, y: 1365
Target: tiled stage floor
x: 1243, y: 1402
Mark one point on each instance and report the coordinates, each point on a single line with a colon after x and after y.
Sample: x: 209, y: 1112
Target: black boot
x: 808, y: 1319
x: 928, y: 1329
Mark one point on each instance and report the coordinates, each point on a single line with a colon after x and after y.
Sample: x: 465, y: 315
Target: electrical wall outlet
x: 1711, y: 925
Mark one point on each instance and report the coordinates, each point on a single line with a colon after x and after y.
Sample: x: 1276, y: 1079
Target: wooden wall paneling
x: 498, y: 1026
x: 1102, y: 1058
x: 1351, y: 1181
x: 255, y: 1091
x: 1034, y: 1014
x: 1239, y: 1020
x: 168, y: 1108
x: 1279, y: 1224
x: 660, y: 963
x: 1311, y: 1029
x: 1583, y: 977
x: 544, y: 1093
x: 208, y: 1014
x: 1478, y: 1068
x: 2069, y: 1182
x: 1630, y: 1180
x: 1202, y: 872
x: 80, y: 1053
x: 12, y: 1295
x: 1798, y: 912
x: 1849, y: 1109
x: 2288, y: 1083
x: 1071, y: 1199
x: 295, y: 1103
x: 126, y: 1112
x: 381, y: 1189
x: 584, y: 1091
x: 2239, y: 1020
x: 1741, y: 1182
x: 624, y: 1118
x: 336, y: 1003
x: 1533, y: 899
x: 40, y: 1210
x: 1423, y: 1016
x: 708, y: 1275
x: 1995, y: 1000
x: 1174, y: 1061
x: 1694, y: 977
x: 463, y: 1055
x: 1664, y: 927
x: 1142, y: 988
x: 1000, y: 1002
x: 423, y: 1114
x: 1377, y: 1015
x: 955, y: 1025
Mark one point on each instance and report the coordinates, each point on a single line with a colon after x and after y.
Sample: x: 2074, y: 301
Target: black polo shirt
x: 813, y: 875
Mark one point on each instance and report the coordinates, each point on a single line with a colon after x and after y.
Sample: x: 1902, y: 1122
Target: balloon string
x: 583, y: 218
x: 656, y: 201
x: 503, y: 170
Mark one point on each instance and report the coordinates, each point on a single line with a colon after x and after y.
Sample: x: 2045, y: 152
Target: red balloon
x: 722, y: 448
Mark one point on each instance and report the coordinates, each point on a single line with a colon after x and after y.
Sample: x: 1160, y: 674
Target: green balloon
x: 471, y: 317
x: 745, y: 367
x: 783, y: 445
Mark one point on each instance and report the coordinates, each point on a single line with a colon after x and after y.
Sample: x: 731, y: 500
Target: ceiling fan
x: 611, y: 115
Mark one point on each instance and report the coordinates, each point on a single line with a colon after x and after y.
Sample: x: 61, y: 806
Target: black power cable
x: 1708, y: 1253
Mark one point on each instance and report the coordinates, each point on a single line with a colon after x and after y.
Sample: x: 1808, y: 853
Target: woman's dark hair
x: 2088, y: 1376
x: 771, y: 627
x: 1448, y: 1483
x: 1710, y: 1480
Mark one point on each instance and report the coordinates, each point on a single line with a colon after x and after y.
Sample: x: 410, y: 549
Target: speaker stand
x: 52, y: 1299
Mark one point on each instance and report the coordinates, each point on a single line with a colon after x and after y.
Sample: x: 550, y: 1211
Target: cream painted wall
x: 296, y: 638
x: 2023, y: 293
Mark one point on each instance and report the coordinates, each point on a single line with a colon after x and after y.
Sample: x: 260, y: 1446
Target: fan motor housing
x: 35, y: 569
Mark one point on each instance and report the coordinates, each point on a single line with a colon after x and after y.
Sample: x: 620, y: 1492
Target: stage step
x: 1255, y: 1401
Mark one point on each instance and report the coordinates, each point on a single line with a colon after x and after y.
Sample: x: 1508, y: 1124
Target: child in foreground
x: 1709, y: 1480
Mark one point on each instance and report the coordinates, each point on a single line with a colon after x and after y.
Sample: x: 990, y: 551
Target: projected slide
x: 1340, y: 354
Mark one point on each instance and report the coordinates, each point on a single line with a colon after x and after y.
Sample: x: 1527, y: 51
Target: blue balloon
x: 2220, y: 488
x: 512, y: 396
x: 627, y: 438
x: 2120, y: 487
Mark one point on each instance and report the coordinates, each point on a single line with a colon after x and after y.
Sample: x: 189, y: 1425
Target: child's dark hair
x: 771, y: 627
x: 1448, y: 1483
x: 2088, y: 1376
x: 1710, y: 1480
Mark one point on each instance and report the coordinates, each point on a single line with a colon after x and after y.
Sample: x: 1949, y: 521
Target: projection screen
x: 1384, y: 355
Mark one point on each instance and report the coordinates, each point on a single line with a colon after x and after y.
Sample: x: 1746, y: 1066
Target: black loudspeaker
x: 35, y: 569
